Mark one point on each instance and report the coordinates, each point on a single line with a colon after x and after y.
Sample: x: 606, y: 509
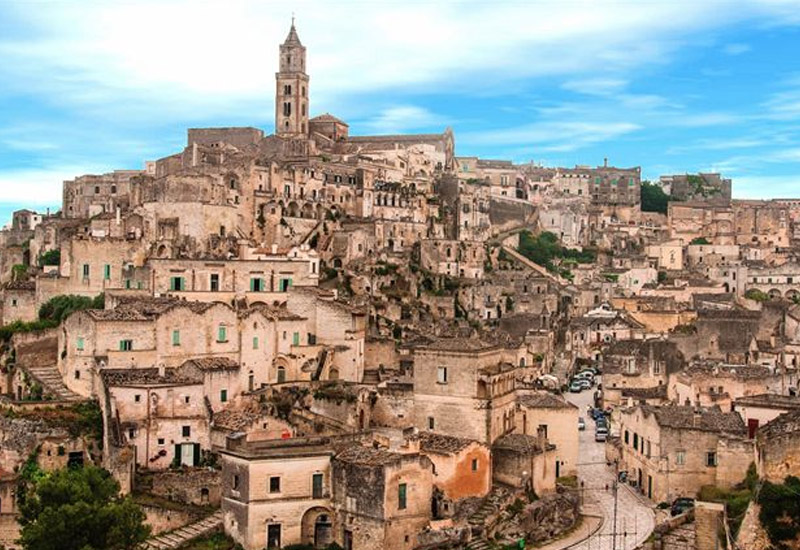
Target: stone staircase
x: 52, y: 383
x: 478, y: 544
x: 179, y: 537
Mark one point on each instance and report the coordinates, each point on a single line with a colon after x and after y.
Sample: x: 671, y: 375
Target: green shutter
x: 252, y: 285
x: 176, y: 338
x: 107, y: 272
x: 296, y: 339
x: 178, y: 454
x: 80, y: 344
x: 255, y: 342
x: 222, y: 334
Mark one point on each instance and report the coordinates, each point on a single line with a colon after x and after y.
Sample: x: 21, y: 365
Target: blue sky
x: 676, y: 86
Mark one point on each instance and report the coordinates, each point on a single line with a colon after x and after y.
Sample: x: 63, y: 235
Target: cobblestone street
x: 635, y: 518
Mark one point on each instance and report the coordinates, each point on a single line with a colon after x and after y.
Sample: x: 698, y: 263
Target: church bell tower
x: 291, y: 88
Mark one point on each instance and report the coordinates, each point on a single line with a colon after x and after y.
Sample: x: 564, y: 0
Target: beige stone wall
x: 562, y: 431
x: 454, y: 476
x: 19, y: 305
x: 162, y: 520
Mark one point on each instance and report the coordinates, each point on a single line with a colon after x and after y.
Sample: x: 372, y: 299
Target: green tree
x: 51, y: 257
x: 653, y: 198
x: 60, y: 307
x: 80, y: 509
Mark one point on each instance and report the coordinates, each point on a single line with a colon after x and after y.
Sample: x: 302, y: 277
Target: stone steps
x: 52, y: 382
x: 179, y: 537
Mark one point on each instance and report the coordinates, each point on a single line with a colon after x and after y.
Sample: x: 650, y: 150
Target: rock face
x: 549, y: 517
x: 751, y: 533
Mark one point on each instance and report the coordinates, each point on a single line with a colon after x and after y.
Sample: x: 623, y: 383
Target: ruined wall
x: 198, y: 486
x: 507, y: 214
x: 162, y: 520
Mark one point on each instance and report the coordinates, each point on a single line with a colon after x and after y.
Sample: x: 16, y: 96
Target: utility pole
x: 614, y: 526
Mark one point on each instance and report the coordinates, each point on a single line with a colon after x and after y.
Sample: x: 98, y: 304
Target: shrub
x: 51, y: 257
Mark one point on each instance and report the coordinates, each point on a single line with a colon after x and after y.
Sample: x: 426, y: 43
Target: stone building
x: 638, y: 364
x: 706, y: 384
x: 556, y: 419
x: 161, y: 412
x: 672, y: 451
x: 466, y: 388
x: 778, y: 447
x: 702, y: 187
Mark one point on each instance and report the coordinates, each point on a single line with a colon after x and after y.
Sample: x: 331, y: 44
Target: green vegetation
x: 79, y: 419
x: 51, y: 257
x: 19, y: 272
x: 757, y: 295
x: 52, y: 313
x: 79, y: 509
x: 545, y: 250
x: 334, y: 391
x: 215, y: 541
x: 736, y: 500
x: 59, y: 308
x: 780, y: 512
x: 653, y: 198
x: 568, y: 481
x: 700, y: 240
x: 662, y: 277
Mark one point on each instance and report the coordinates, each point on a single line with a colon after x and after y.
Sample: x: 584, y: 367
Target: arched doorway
x: 317, y: 527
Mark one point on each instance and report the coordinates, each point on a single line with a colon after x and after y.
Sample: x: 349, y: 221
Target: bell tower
x: 291, y: 88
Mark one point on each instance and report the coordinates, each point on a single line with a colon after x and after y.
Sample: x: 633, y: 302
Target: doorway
x: 273, y: 536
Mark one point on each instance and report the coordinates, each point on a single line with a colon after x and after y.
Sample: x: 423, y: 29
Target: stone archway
x: 317, y: 527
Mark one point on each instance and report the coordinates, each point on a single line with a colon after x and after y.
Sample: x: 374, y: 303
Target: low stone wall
x: 550, y: 517
x: 9, y: 531
x: 201, y: 487
x: 162, y: 520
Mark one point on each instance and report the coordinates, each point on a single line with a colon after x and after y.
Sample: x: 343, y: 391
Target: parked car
x: 576, y: 387
x: 585, y: 375
x: 584, y: 383
x: 601, y: 433
x: 601, y: 422
x: 681, y: 505
x: 581, y: 423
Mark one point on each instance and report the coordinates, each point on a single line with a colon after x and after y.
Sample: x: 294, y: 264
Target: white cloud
x: 403, y: 118
x: 38, y: 186
x: 736, y: 48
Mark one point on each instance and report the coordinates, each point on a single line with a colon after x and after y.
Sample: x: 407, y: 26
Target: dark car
x: 681, y: 505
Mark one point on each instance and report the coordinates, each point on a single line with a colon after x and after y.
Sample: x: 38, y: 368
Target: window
x: 287, y: 89
x: 235, y: 482
x: 85, y: 271
x: 711, y: 459
x: 401, y: 496
x: 256, y: 284
x: 287, y: 108
x: 131, y: 433
x: 107, y: 272
x: 186, y: 399
x: 161, y: 441
x: 627, y: 437
x: 14, y: 302
x: 222, y: 334
x: 296, y: 339
x: 80, y: 344
x: 285, y: 284
x: 137, y: 398
x: 431, y: 423
x: 223, y: 396
x: 441, y: 375
x: 474, y: 464
x: 186, y: 431
x: 176, y: 338
x: 77, y: 375
x: 214, y: 283
x: 317, y: 485
x: 255, y: 342
x: 281, y: 375
x: 274, y: 484
x: 126, y: 345
x: 176, y: 284
x: 636, y: 441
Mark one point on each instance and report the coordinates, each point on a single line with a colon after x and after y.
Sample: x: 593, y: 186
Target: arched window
x: 281, y: 375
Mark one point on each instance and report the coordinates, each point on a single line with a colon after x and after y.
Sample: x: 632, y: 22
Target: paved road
x: 635, y: 518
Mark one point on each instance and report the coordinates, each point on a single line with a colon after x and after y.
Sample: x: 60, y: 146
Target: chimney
x: 697, y: 418
x: 118, y: 216
x: 162, y: 370
x: 274, y: 248
x: 605, y: 162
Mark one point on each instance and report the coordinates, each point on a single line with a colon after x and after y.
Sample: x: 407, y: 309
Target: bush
x: 700, y: 240
x: 51, y: 257
x: 653, y: 198
x: 757, y: 295
x: 780, y: 512
x: 59, y: 308
x: 544, y: 248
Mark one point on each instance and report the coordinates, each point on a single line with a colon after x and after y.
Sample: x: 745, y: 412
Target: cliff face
x: 752, y: 535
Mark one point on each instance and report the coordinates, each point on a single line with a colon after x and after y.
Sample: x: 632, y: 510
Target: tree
x: 60, y: 307
x: 51, y: 257
x: 80, y: 509
x: 653, y: 198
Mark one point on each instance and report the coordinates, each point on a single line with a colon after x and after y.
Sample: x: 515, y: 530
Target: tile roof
x: 544, y: 400
x: 682, y: 417
x: 442, y: 444
x: 367, y: 456
x: 148, y: 377
x: 212, y: 363
x: 522, y: 443
x: 787, y: 423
